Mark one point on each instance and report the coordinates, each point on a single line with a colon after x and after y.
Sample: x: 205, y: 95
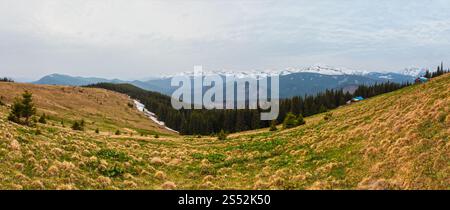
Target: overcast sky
x: 138, y: 39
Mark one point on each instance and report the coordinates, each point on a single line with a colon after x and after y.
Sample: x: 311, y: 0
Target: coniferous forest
x: 6, y: 79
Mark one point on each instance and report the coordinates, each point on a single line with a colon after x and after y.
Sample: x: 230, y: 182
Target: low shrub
x: 222, y: 135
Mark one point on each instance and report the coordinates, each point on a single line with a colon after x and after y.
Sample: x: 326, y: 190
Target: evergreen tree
x: 97, y: 131
x: 427, y: 74
x: 16, y: 111
x: 290, y: 121
x: 6, y: 79
x: 28, y: 109
x: 240, y: 121
x: 22, y: 108
x: 273, y: 125
x: 222, y: 135
x: 42, y: 119
x: 255, y: 122
x: 322, y: 109
x: 300, y: 120
x: 78, y: 126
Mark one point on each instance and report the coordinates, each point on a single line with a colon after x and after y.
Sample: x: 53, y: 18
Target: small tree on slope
x: 290, y: 121
x: 222, y: 135
x: 43, y: 119
x: 23, y: 108
x: 300, y: 120
x: 273, y: 125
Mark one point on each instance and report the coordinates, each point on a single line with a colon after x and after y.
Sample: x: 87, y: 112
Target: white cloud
x: 115, y: 37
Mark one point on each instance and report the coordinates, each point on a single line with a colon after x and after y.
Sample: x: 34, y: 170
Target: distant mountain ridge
x: 293, y: 81
x: 319, y: 69
x: 61, y: 79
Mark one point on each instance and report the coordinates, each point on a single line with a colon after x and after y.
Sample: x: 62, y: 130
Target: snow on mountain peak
x: 318, y: 69
x: 326, y: 70
x: 414, y: 71
x: 230, y: 73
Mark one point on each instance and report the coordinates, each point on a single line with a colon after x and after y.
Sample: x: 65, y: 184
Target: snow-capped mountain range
x: 317, y: 69
x: 325, y: 70
x: 293, y: 81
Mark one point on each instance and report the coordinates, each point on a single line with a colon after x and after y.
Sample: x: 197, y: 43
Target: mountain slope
x: 399, y: 140
x: 102, y: 109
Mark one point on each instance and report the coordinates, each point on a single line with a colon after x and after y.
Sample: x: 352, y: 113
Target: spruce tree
x: 28, y: 109
x: 222, y: 135
x: 290, y: 121
x: 273, y: 125
x: 77, y: 126
x: 427, y: 74
x: 322, y: 109
x: 42, y: 119
x: 300, y: 120
x: 22, y: 108
x: 16, y: 111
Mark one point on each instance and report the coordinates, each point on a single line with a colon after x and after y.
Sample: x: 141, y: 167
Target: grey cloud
x: 147, y: 38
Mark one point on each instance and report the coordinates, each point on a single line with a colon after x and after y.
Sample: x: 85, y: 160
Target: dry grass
x: 398, y: 140
x: 103, y: 109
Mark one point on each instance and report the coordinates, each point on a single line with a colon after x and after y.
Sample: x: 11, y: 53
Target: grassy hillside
x: 398, y: 140
x: 100, y: 108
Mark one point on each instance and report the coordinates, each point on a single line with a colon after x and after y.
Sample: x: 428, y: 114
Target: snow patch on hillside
x: 151, y: 115
x: 388, y: 77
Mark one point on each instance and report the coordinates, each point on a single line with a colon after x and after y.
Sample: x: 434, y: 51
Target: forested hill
x: 156, y: 102
x: 208, y: 122
x: 152, y: 100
